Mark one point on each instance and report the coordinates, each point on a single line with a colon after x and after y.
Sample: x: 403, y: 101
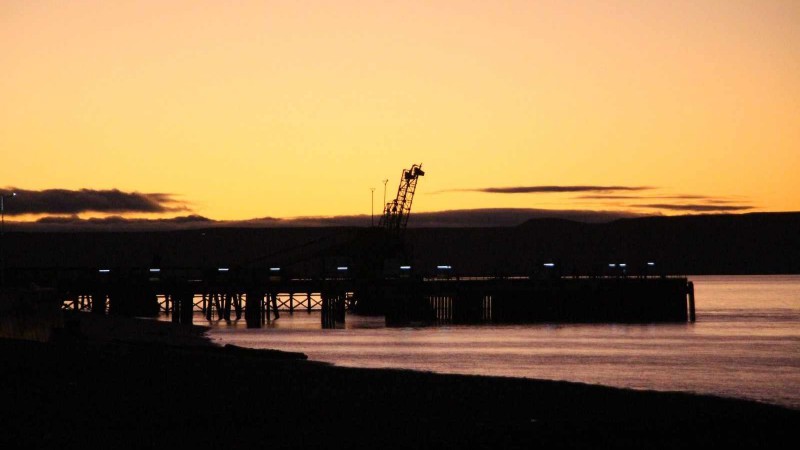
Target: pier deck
x: 259, y: 296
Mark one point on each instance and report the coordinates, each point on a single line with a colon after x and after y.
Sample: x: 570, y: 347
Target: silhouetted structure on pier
x: 396, y: 213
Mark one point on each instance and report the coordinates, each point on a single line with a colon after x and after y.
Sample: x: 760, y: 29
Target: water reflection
x: 746, y: 343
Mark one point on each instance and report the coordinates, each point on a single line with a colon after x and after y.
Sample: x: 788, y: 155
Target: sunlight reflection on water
x: 745, y: 344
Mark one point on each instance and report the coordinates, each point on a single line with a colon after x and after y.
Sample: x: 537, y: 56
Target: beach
x: 120, y: 382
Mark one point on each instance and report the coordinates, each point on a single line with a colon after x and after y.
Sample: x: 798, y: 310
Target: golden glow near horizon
x: 285, y: 108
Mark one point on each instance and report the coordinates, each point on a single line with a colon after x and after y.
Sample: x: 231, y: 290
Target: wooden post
x: 187, y: 307
x: 237, y: 304
x: 98, y: 303
x: 226, y: 313
x: 341, y: 303
x: 176, y: 308
x: 274, y: 298
x: 327, y: 311
x: 252, y: 310
x: 690, y: 286
x: 218, y: 303
x: 324, y: 312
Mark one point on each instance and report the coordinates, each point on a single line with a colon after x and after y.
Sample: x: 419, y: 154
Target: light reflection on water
x: 745, y: 344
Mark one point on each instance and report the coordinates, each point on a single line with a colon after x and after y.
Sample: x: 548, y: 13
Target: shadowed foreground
x: 148, y: 394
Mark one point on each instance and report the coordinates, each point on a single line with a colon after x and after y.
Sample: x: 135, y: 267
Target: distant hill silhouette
x: 759, y: 243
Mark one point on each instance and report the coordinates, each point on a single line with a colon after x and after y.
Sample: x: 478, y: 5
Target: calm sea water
x: 745, y: 344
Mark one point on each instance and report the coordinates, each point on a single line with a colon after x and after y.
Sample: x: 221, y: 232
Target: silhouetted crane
x: 396, y: 212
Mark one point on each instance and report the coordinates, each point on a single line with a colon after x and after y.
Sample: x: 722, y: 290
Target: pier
x: 260, y: 296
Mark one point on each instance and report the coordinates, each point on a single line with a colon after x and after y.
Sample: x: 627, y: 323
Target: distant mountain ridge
x: 757, y: 243
x: 481, y: 217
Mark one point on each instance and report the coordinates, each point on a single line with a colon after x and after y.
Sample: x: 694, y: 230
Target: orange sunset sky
x: 296, y: 108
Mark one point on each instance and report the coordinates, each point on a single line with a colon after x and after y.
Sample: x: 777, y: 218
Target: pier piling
x: 252, y: 310
x: 99, y: 302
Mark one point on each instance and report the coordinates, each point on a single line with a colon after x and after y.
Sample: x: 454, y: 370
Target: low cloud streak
x: 644, y: 197
x: 548, y: 189
x: 65, y: 202
x: 696, y: 207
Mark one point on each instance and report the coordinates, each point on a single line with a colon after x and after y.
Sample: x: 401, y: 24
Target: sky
x: 253, y: 109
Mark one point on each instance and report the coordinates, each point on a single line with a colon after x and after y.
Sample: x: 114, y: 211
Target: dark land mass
x: 759, y: 243
x: 108, y: 386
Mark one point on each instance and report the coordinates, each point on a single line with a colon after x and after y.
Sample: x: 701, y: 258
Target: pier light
x: 444, y: 267
x: 104, y: 270
x: 341, y: 268
x: 405, y: 267
x: 651, y: 264
x: 155, y: 270
x: 549, y: 264
x: 223, y: 269
x: 274, y: 269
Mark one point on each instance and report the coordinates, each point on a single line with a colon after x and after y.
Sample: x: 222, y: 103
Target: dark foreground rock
x: 111, y: 393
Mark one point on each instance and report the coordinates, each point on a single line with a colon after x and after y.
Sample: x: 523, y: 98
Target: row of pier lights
x: 617, y: 269
x: 445, y: 270
x: 620, y: 265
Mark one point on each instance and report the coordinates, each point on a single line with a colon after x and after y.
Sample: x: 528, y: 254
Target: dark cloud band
x: 644, y: 197
x: 696, y: 208
x: 549, y: 189
x: 118, y: 220
x: 64, y: 201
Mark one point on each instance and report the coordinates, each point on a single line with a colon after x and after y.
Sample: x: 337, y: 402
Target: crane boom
x: 396, y: 212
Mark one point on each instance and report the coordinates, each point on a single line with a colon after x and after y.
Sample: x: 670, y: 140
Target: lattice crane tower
x: 396, y: 212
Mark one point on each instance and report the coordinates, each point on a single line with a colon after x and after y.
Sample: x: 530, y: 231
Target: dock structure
x: 259, y: 296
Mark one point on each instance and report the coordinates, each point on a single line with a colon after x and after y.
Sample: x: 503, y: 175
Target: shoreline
x: 121, y: 381
x: 676, y: 359
x: 233, y: 347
